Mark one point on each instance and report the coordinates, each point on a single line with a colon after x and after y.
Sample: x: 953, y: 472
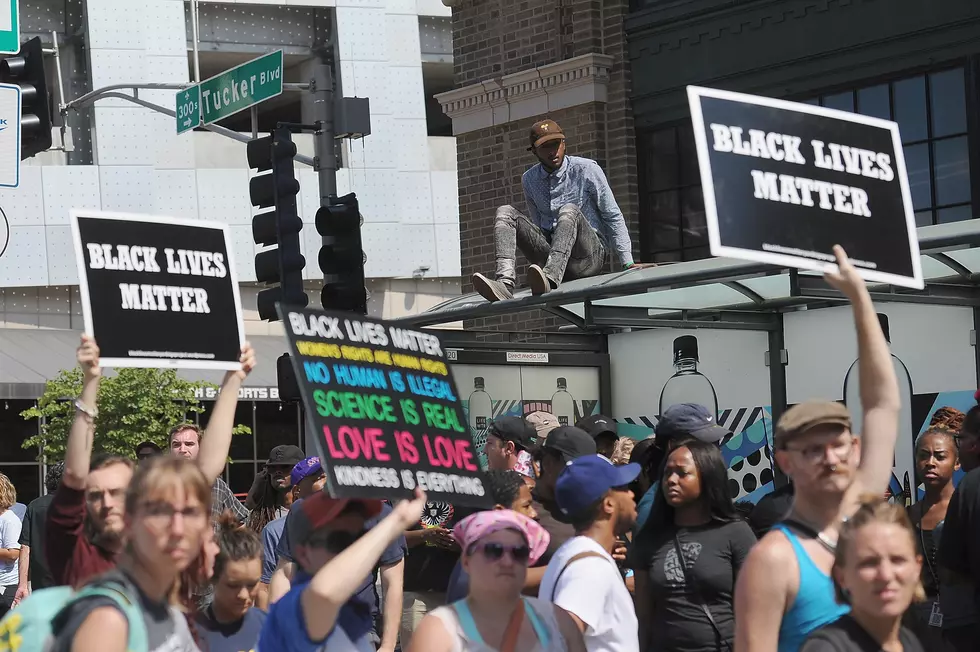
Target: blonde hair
x: 623, y: 450
x: 8, y: 494
x: 872, y: 509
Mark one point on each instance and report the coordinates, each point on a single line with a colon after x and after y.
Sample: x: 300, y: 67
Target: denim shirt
x: 579, y: 181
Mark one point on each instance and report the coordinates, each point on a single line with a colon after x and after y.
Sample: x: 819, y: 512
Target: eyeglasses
x: 163, y: 513
x: 818, y: 453
x: 334, y: 542
x: 495, y: 551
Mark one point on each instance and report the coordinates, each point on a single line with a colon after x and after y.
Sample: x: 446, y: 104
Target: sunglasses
x: 493, y: 551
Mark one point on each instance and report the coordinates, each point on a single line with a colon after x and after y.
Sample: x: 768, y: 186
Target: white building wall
x: 405, y: 180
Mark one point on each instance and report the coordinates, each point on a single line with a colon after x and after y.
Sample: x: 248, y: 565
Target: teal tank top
x: 815, y: 604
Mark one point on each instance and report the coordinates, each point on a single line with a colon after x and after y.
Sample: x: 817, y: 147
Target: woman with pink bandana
x: 497, y: 548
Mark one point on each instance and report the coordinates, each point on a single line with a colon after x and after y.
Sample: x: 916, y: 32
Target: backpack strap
x: 581, y: 555
x: 138, y: 640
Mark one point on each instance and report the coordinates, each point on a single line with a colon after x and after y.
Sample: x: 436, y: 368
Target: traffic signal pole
x: 324, y: 147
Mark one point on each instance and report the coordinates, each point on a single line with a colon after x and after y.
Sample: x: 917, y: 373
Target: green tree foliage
x: 135, y: 405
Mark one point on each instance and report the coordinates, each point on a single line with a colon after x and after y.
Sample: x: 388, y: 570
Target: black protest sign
x: 158, y: 292
x: 784, y: 182
x: 384, y: 409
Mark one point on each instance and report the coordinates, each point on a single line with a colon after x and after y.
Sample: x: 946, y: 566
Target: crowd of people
x: 595, y: 542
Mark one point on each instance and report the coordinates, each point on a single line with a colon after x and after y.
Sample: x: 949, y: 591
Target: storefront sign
x: 784, y: 182
x: 384, y: 407
x: 244, y: 393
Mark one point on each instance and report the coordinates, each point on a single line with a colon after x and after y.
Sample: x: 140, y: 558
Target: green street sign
x: 241, y: 87
x: 188, y: 108
x: 9, y: 26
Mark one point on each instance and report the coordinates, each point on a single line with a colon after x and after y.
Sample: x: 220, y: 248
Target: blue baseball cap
x: 690, y: 420
x: 586, y: 479
x: 306, y: 468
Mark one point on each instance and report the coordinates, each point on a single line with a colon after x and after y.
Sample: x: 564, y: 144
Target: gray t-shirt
x: 166, y: 627
x: 713, y: 555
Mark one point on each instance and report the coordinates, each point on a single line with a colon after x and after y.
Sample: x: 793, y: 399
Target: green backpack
x: 29, y: 627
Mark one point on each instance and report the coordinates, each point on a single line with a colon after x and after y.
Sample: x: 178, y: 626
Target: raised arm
x: 78, y: 452
x: 761, y: 596
x: 612, y: 216
x: 335, y: 583
x: 217, y: 438
x: 393, y: 590
x: 879, y: 386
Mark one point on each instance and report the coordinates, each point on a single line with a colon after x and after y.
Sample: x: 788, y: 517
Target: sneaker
x: 540, y: 284
x: 491, y: 290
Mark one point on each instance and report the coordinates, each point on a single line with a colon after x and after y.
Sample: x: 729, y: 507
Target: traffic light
x: 342, y: 256
x: 280, y: 226
x: 286, y: 378
x: 26, y: 69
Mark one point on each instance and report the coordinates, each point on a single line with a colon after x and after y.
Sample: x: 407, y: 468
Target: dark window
x: 275, y: 424
x: 671, y: 204
x: 240, y: 475
x: 931, y: 111
x: 26, y: 478
x: 15, y: 430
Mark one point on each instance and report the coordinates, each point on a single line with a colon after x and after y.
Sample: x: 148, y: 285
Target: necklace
x: 828, y: 544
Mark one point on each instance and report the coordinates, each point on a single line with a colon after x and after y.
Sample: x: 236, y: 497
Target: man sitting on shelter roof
x: 573, y: 221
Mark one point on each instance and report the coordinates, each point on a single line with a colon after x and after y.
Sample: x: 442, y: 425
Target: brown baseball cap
x: 804, y: 417
x: 543, y: 131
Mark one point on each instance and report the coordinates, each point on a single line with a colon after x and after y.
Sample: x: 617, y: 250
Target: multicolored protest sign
x: 384, y: 409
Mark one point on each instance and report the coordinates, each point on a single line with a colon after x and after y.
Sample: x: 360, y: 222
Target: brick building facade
x: 518, y: 61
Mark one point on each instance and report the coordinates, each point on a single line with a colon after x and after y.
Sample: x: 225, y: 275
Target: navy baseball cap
x: 514, y: 429
x: 586, y: 479
x: 569, y: 442
x: 596, y: 425
x: 690, y: 420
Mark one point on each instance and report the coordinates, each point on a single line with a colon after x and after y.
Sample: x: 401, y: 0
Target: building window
x: 931, y: 112
x: 18, y: 463
x: 672, y: 222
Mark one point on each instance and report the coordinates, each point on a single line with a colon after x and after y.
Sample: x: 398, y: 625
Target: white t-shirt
x: 9, y: 535
x: 593, y: 590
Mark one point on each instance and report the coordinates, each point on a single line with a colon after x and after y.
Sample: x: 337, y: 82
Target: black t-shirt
x: 959, y: 552
x: 845, y: 635
x: 32, y: 534
x: 427, y: 567
x: 713, y: 555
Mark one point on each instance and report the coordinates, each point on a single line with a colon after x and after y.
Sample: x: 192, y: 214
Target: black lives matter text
x: 176, y: 262
x: 803, y: 190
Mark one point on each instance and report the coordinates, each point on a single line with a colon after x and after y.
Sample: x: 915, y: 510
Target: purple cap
x: 306, y: 468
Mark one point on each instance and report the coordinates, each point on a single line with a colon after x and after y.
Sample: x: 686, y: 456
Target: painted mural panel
x: 722, y: 370
x: 491, y: 391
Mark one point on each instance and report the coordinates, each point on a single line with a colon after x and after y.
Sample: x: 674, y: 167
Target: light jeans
x: 573, y: 250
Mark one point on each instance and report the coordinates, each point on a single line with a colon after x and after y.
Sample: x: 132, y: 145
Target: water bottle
x: 480, y: 411
x: 688, y: 385
x: 903, y: 484
x: 562, y: 404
